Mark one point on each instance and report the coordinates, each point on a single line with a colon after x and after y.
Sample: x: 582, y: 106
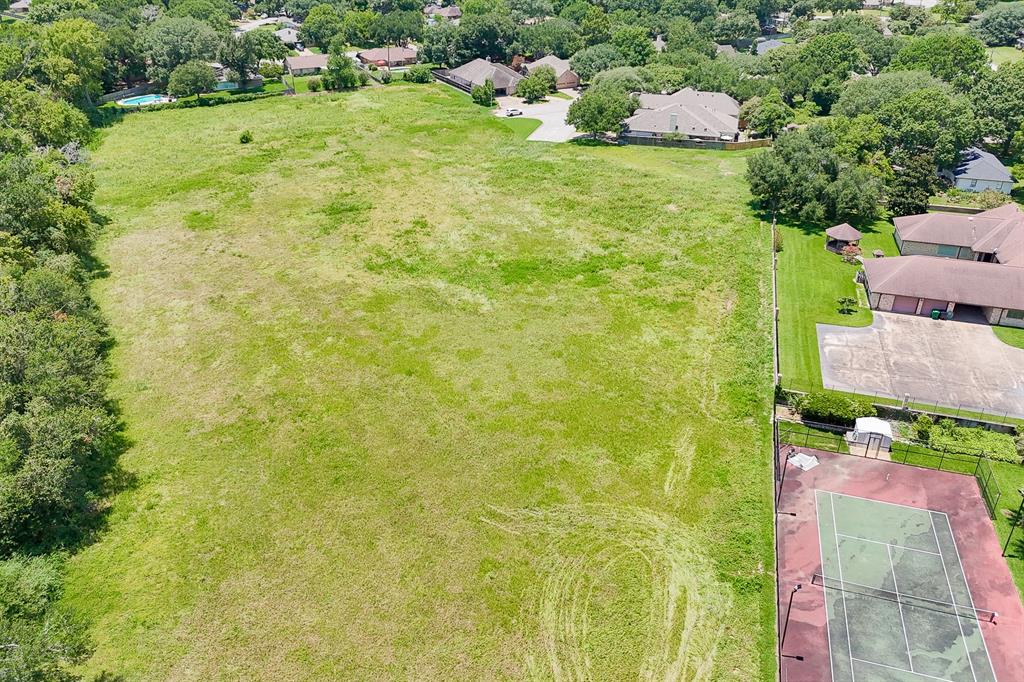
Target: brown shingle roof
x: 387, y: 54
x: 306, y: 61
x: 478, y: 71
x: 844, y: 232
x: 998, y: 230
x: 947, y: 279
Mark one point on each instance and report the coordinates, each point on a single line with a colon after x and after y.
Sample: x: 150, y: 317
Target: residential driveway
x: 551, y: 115
x: 956, y: 364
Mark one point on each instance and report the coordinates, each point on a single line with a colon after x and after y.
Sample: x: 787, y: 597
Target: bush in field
x: 385, y: 76
x: 946, y: 435
x: 419, y: 74
x: 923, y: 427
x: 245, y: 137
x: 834, y: 408
x: 314, y: 84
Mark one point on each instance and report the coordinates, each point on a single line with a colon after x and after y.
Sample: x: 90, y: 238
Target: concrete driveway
x: 551, y: 115
x: 956, y: 364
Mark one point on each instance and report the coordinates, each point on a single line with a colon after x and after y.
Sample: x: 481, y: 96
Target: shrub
x: 777, y: 240
x: 483, y: 94
x: 947, y: 435
x: 314, y: 84
x: 834, y: 408
x: 923, y: 426
x: 532, y: 89
x: 271, y: 72
x: 245, y: 137
x: 385, y: 76
x: 420, y: 73
x: 850, y: 253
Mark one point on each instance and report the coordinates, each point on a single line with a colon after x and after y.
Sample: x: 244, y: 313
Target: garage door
x: 904, y: 304
x: 931, y: 304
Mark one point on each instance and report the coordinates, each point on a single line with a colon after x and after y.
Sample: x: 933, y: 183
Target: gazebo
x: 838, y: 236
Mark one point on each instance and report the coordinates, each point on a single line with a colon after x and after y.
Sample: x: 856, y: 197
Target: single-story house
x: 450, y: 13
x: 950, y: 262
x: 288, y: 36
x: 20, y: 6
x: 305, y: 64
x: 687, y: 113
x: 388, y: 56
x: 479, y: 71
x: 841, y: 235
x: 565, y: 77
x: 979, y: 170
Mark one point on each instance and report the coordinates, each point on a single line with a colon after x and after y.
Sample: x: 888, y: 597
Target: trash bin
x: 936, y: 313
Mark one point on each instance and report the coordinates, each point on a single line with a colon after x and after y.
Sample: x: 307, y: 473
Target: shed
x: 838, y: 236
x: 872, y: 434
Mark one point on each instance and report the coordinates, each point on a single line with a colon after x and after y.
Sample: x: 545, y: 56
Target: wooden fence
x: 643, y: 140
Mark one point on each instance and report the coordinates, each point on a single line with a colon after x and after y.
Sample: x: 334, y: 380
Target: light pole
x: 782, y: 481
x: 785, y: 627
x: 1015, y: 520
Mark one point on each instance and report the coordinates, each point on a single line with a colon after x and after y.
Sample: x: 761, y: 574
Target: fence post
x: 942, y: 457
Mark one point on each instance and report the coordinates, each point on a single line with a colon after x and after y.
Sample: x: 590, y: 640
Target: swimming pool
x: 143, y: 100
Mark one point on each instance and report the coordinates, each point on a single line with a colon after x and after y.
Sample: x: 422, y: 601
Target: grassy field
x: 1004, y: 55
x: 522, y: 127
x: 411, y: 398
x: 810, y: 282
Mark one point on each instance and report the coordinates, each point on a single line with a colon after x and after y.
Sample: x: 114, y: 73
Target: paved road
x: 948, y: 362
x: 551, y: 115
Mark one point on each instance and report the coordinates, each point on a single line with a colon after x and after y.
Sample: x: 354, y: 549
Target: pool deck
x: 805, y: 657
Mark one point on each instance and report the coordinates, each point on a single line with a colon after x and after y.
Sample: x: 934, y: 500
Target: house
x: 388, y: 56
x: 979, y: 170
x: 565, y: 77
x: 727, y: 50
x: 449, y: 13
x: 687, y: 113
x: 20, y: 6
x: 955, y: 264
x: 479, y: 71
x: 839, y: 236
x: 305, y: 64
x: 288, y: 36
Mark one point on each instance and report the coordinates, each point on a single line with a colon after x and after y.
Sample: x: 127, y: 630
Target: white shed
x: 871, y: 431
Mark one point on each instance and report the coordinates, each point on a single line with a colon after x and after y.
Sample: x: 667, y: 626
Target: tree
x: 955, y: 58
x: 998, y: 99
x: 49, y: 11
x: 191, y: 78
x: 71, y: 58
x: 929, y: 121
x: 914, y: 184
x: 683, y: 36
x: 483, y: 94
x: 47, y: 121
x: 340, y: 73
x: 419, y: 74
x: 238, y: 53
x: 439, y: 44
x: 488, y: 36
x: 557, y: 36
x: 866, y: 95
x: 955, y: 11
x: 656, y: 77
x: 819, y: 68
x: 546, y: 75
x: 532, y: 88
x: 265, y: 45
x: 601, y: 110
x: 634, y: 44
x: 397, y: 27
x: 838, y: 6
x: 595, y: 26
x: 321, y: 25
x: 1000, y: 25
x: 203, y: 10
x: 694, y: 10
x: 590, y: 61
x: 768, y: 115
x: 735, y: 26
x: 357, y: 27
x: 169, y: 42
x: 521, y: 10
x: 621, y: 78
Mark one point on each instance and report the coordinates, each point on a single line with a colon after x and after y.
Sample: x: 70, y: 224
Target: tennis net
x: 905, y: 599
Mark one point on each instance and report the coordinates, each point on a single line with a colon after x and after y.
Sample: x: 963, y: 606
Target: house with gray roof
x: 565, y: 77
x: 479, y: 71
x: 952, y: 262
x: 20, y: 6
x: 449, y: 13
x: 305, y: 64
x: 687, y: 113
x: 288, y: 36
x: 979, y: 170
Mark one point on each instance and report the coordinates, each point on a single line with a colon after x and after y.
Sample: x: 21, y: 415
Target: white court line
x: 890, y: 667
x: 888, y: 544
x: 895, y: 504
x: 963, y: 572
x: 936, y: 602
x: 828, y: 628
x: 952, y: 596
x: 903, y: 623
x: 839, y: 561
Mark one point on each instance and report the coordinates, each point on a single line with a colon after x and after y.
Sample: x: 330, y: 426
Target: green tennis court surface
x: 898, y: 605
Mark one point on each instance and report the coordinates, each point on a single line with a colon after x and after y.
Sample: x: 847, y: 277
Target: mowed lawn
x: 412, y: 398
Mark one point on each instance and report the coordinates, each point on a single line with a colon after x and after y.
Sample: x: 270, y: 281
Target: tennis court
x: 890, y: 573
x: 898, y: 604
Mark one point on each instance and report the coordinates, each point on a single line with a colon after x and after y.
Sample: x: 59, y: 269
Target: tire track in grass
x: 685, y: 606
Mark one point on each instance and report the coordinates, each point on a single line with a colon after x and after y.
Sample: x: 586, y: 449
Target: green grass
x: 522, y: 127
x: 1010, y: 478
x: 411, y: 398
x: 810, y: 282
x: 1010, y: 335
x: 560, y: 95
x: 1004, y: 55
